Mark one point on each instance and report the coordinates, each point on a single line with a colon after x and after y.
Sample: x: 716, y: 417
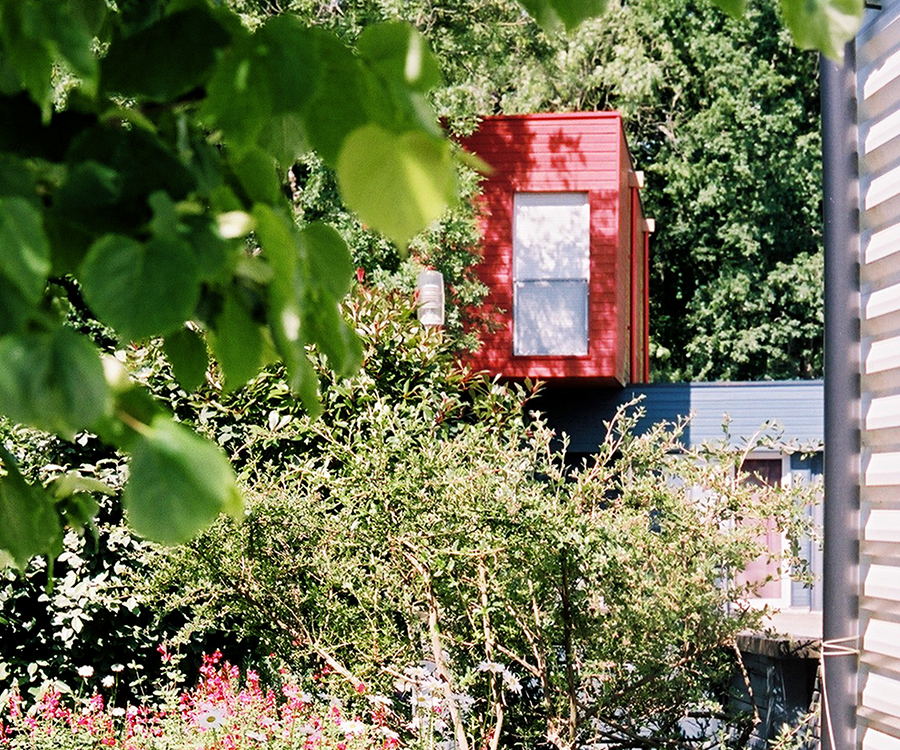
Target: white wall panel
x: 875, y: 740
x: 878, y: 95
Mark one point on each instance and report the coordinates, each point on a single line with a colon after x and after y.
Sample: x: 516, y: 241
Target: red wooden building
x: 565, y: 250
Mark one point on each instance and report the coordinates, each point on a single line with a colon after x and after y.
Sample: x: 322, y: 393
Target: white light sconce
x: 431, y: 298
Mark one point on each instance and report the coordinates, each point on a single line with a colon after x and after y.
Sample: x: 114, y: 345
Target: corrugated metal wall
x: 878, y: 98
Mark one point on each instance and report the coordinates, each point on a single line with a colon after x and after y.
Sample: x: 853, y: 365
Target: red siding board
x: 578, y: 152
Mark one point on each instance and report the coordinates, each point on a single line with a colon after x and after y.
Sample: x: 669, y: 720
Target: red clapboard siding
x: 573, y: 152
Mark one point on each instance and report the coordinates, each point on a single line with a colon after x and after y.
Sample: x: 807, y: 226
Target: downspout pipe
x: 842, y: 399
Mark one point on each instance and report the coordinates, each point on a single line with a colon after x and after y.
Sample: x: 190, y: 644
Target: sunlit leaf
x: 273, y: 72
x: 279, y: 240
x: 343, y: 99
x: 255, y: 169
x: 330, y: 271
x: 178, y: 483
x: 398, y: 184
x: 734, y: 8
x: 551, y: 14
x: 400, y: 53
x: 284, y: 137
x: 825, y: 25
x: 330, y: 263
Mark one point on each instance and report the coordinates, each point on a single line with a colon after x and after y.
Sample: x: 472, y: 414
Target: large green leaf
x: 330, y: 263
x: 26, y: 57
x: 825, y: 25
x: 14, y: 309
x: 400, y: 53
x: 24, y: 249
x: 255, y: 170
x: 167, y: 59
x: 290, y: 62
x: 734, y: 8
x: 551, y: 14
x: 53, y: 381
x: 143, y: 160
x: 67, y: 34
x: 141, y: 289
x: 280, y: 242
x: 29, y: 524
x: 17, y: 179
x: 186, y: 351
x: 342, y: 102
x: 90, y: 13
x: 336, y: 339
x: 272, y: 73
x: 284, y: 137
x: 329, y: 270
x: 211, y: 248
x: 398, y: 184
x: 237, y: 343
x: 178, y: 483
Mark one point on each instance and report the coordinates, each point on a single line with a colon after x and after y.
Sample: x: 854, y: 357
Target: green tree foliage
x: 730, y: 140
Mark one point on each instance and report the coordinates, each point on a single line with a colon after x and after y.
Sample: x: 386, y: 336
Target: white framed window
x: 551, y: 273
x: 765, y: 469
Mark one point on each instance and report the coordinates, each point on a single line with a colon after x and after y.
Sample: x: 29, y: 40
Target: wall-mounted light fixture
x: 431, y: 298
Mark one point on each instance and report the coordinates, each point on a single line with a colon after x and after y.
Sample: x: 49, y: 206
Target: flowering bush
x: 223, y: 712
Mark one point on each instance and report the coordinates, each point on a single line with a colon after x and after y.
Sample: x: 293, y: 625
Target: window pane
x: 551, y: 318
x: 765, y: 472
x: 551, y: 236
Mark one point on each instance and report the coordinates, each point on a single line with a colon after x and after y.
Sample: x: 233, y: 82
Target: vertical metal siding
x: 878, y: 94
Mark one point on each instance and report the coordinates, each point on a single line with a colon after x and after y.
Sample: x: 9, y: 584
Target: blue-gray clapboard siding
x: 796, y: 406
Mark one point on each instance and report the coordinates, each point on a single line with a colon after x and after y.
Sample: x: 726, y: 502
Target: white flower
x: 108, y: 681
x: 353, y: 727
x: 258, y: 736
x: 118, y: 711
x: 210, y: 718
x: 511, y: 682
x: 85, y: 672
x: 116, y: 668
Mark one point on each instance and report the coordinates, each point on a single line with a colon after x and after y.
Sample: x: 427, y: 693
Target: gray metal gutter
x: 842, y: 396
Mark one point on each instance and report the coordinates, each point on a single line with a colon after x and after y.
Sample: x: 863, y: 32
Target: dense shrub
x: 427, y: 518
